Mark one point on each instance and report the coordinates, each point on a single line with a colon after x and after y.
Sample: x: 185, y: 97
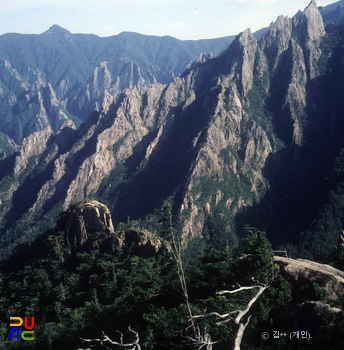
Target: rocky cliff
x: 228, y: 141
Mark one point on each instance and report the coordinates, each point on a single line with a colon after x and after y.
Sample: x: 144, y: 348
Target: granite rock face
x: 301, y: 271
x: 85, y: 219
x: 203, y: 140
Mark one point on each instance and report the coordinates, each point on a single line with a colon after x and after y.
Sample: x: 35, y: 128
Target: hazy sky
x: 183, y: 19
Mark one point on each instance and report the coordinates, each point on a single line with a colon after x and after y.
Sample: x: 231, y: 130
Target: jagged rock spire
x: 311, y: 22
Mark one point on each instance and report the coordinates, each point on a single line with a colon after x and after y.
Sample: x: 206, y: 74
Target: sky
x: 182, y: 19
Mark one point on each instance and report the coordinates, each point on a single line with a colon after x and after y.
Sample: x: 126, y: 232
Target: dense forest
x: 163, y: 300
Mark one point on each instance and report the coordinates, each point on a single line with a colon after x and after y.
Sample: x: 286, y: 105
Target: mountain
x: 332, y: 13
x: 57, y: 76
x: 253, y: 135
x: 133, y: 226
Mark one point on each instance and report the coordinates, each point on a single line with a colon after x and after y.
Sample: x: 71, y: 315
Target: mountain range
x: 49, y: 78
x: 251, y: 133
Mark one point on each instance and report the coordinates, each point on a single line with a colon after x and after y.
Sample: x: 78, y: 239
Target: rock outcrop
x: 141, y: 242
x: 303, y: 272
x: 84, y: 219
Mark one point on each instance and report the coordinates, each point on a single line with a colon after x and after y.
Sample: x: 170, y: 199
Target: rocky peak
x: 243, y: 54
x: 311, y: 27
x: 277, y: 39
x: 58, y: 31
x: 33, y: 145
x: 277, y: 29
x: 249, y: 45
x: 311, y: 23
x: 83, y: 219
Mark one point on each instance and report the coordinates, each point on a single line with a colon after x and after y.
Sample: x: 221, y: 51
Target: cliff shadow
x: 300, y: 177
x: 165, y: 173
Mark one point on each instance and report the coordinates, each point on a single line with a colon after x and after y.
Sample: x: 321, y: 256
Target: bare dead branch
x: 201, y: 341
x: 226, y: 317
x: 133, y: 345
x: 216, y: 314
x: 177, y: 255
x: 242, y: 313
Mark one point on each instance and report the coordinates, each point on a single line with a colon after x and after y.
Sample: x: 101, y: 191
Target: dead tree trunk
x: 198, y: 340
x: 241, y: 313
x: 225, y: 318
